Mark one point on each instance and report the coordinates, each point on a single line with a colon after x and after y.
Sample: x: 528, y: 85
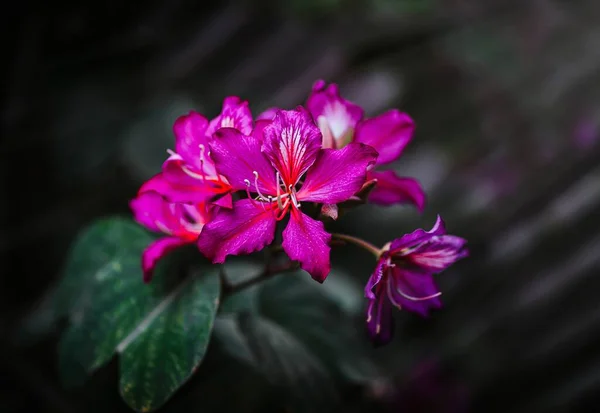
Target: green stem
x: 359, y: 242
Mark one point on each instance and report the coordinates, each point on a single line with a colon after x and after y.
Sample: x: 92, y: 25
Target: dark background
x: 506, y: 96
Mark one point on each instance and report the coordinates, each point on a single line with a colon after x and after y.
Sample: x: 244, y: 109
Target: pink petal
x: 181, y: 220
x: 337, y: 174
x: 408, y: 290
x: 417, y: 236
x: 180, y: 183
x: 151, y: 210
x: 235, y: 114
x: 336, y: 113
x: 388, y: 133
x: 375, y: 279
x: 438, y: 253
x: 259, y: 127
x: 177, y: 170
x: 224, y: 201
x: 291, y: 142
x: 190, y: 134
x: 380, y: 321
x: 246, y: 228
x: 239, y: 158
x: 157, y: 183
x: 305, y: 240
x: 156, y: 251
x: 268, y: 114
x: 392, y: 189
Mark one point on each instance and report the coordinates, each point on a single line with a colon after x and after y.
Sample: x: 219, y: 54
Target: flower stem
x: 268, y: 272
x: 359, y: 242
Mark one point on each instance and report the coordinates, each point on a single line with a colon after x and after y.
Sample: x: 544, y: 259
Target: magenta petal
x: 338, y: 114
x: 388, y: 133
x: 268, y: 114
x: 238, y: 157
x: 380, y: 322
x: 417, y: 236
x: 235, y: 114
x: 259, y: 127
x: 374, y: 279
x: 392, y: 189
x: 156, y: 251
x: 152, y: 211
x: 246, y: 228
x: 305, y: 240
x: 438, y: 253
x: 338, y: 174
x: 190, y: 134
x: 291, y: 142
x: 157, y: 183
x: 409, y: 290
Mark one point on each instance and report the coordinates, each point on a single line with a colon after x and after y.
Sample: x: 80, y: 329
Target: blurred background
x: 506, y: 97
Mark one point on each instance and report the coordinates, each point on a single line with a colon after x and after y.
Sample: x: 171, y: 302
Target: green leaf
x: 236, y: 271
x: 232, y: 340
x: 105, y: 250
x: 161, y: 330
x: 344, y: 291
x: 318, y: 317
x: 286, y: 363
x: 165, y: 349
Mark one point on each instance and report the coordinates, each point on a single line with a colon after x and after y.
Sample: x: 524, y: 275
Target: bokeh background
x: 506, y: 96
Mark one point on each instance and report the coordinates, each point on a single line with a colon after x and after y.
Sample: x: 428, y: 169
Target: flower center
x: 286, y: 195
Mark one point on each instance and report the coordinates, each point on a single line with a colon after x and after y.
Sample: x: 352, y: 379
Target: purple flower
x: 181, y: 222
x: 190, y: 172
x: 283, y: 164
x: 341, y: 122
x: 403, y: 277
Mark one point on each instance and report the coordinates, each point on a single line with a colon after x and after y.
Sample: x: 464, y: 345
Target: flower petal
x: 235, y: 114
x: 242, y: 230
x: 181, y: 220
x: 291, y: 142
x: 268, y: 114
x: 388, y: 133
x: 259, y: 127
x: 156, y: 251
x: 238, y: 157
x: 409, y: 290
x: 392, y: 189
x: 330, y: 110
x: 190, y: 137
x: 416, y: 237
x: 375, y: 279
x: 179, y: 182
x: 380, y: 322
x: 151, y: 210
x: 337, y: 174
x: 438, y: 253
x: 305, y: 240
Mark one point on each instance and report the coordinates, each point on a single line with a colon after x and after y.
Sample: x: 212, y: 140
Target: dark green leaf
x: 103, y: 252
x: 317, y: 315
x: 233, y: 342
x: 164, y: 350
x: 237, y: 271
x: 161, y: 330
x: 286, y: 363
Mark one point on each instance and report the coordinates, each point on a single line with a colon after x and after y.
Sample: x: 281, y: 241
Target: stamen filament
x: 411, y: 298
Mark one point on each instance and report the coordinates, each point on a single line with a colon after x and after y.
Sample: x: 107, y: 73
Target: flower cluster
x: 231, y: 179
